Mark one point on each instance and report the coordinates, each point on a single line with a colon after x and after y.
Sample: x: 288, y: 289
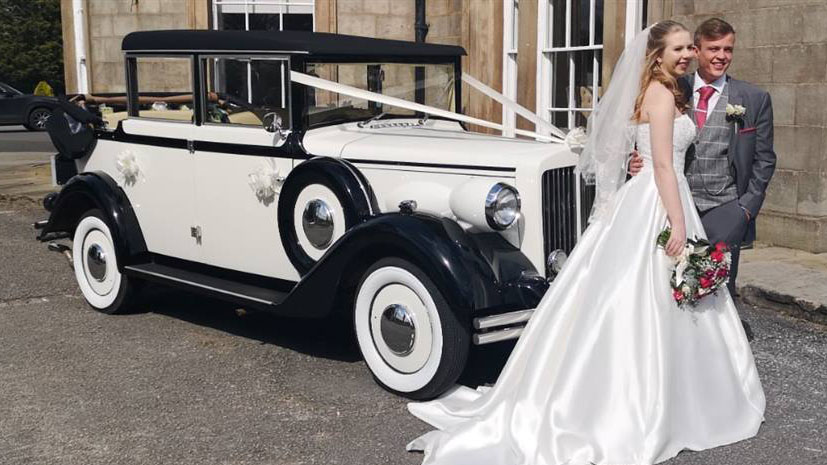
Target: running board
x: 205, y: 284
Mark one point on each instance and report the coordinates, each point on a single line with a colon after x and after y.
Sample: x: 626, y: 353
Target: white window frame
x: 248, y: 7
x: 545, y: 53
x: 511, y: 20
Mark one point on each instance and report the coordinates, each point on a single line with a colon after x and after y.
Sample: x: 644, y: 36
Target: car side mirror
x: 272, y: 122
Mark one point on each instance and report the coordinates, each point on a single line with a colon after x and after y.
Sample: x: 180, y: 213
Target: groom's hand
x: 635, y: 163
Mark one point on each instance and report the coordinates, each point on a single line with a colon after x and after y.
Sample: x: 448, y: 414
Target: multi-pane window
x: 569, y: 60
x: 263, y: 15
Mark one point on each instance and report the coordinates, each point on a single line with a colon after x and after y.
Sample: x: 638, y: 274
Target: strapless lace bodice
x: 683, y: 135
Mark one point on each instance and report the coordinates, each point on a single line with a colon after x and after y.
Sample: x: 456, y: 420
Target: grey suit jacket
x: 751, y: 153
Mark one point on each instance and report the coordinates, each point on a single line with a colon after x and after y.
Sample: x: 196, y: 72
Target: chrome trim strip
x: 496, y: 336
x: 202, y: 286
x: 503, y: 319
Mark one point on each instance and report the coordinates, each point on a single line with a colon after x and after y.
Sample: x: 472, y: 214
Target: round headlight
x: 502, y: 206
x: 555, y: 261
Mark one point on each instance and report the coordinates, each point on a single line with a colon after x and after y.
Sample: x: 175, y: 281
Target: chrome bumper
x: 500, y: 327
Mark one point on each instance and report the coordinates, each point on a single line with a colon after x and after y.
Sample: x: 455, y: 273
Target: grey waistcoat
x: 708, y: 170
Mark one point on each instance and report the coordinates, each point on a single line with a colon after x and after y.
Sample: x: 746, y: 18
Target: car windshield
x: 392, y: 79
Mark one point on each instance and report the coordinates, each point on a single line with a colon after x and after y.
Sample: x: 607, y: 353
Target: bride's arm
x: 659, y: 107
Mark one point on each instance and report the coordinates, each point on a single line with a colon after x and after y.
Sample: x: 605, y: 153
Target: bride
x: 609, y: 370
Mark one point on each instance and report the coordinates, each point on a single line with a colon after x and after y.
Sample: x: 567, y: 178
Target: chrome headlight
x: 555, y: 261
x: 502, y: 206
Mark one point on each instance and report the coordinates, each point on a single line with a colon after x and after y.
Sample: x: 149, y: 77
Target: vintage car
x: 306, y: 174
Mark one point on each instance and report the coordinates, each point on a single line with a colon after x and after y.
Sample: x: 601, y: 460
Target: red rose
x: 722, y: 273
x: 678, y: 295
x: 706, y: 282
x: 709, y: 273
x: 717, y: 256
x: 720, y: 247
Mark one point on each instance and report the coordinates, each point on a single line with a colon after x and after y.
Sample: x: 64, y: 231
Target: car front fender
x: 460, y: 266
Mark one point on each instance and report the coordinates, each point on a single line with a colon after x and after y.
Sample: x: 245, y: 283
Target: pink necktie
x: 703, y: 105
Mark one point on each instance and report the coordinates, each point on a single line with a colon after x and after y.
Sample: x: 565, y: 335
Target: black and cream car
x: 305, y: 174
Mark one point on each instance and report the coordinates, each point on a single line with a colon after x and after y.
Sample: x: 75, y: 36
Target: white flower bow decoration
x: 266, y: 182
x: 576, y: 137
x: 127, y: 164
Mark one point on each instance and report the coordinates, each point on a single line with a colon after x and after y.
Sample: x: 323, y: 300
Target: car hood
x: 437, y: 142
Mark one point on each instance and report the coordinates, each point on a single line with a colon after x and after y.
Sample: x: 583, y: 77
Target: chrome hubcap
x: 317, y: 221
x: 398, y: 329
x: 96, y: 261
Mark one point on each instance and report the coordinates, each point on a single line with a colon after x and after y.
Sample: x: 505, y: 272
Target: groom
x: 730, y: 164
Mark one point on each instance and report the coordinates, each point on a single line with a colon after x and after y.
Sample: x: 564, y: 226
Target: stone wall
x: 781, y: 46
x: 110, y: 20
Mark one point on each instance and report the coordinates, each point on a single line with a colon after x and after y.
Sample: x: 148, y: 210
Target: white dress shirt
x: 718, y: 85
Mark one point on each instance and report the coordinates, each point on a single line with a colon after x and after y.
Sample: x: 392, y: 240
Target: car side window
x: 241, y: 91
x: 162, y: 88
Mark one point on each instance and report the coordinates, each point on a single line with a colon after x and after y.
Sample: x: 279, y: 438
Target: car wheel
x: 96, y: 266
x: 37, y: 119
x: 412, y: 342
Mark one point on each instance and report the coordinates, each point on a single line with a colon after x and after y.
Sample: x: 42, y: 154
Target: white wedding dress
x: 609, y: 370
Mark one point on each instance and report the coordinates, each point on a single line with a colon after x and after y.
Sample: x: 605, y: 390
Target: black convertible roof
x: 291, y: 42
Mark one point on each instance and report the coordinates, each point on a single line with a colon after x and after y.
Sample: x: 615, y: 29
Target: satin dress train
x: 609, y: 370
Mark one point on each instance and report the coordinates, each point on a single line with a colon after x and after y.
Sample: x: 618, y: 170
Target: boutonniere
x: 735, y: 112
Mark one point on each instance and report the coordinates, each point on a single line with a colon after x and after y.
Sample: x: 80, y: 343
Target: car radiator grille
x: 561, y: 220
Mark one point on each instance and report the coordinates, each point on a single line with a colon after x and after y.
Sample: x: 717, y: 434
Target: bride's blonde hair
x: 652, y: 70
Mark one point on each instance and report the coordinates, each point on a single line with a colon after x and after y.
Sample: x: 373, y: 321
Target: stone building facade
x: 781, y: 46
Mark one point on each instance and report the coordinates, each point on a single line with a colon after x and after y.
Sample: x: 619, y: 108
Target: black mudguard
x: 473, y: 276
x: 97, y: 190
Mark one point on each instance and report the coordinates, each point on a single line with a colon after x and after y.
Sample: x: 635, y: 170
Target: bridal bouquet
x: 701, y: 269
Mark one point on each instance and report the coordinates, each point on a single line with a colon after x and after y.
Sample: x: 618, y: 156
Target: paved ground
x: 20, y: 139
x: 189, y: 381
x: 792, y: 281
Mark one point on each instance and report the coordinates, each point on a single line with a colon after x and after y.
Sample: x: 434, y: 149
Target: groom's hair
x: 713, y: 29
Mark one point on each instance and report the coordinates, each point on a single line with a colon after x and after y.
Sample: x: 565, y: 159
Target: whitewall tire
x: 411, y: 340
x: 96, y: 266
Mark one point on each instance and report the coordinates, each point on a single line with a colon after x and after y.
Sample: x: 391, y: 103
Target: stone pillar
x: 782, y: 47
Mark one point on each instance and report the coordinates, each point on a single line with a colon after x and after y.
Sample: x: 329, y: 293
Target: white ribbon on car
x: 355, y: 92
x: 513, y: 106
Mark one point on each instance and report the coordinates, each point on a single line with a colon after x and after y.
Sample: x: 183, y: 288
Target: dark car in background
x: 32, y: 111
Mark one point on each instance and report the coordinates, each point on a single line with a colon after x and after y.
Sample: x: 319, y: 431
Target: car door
x: 157, y: 138
x: 239, y: 165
